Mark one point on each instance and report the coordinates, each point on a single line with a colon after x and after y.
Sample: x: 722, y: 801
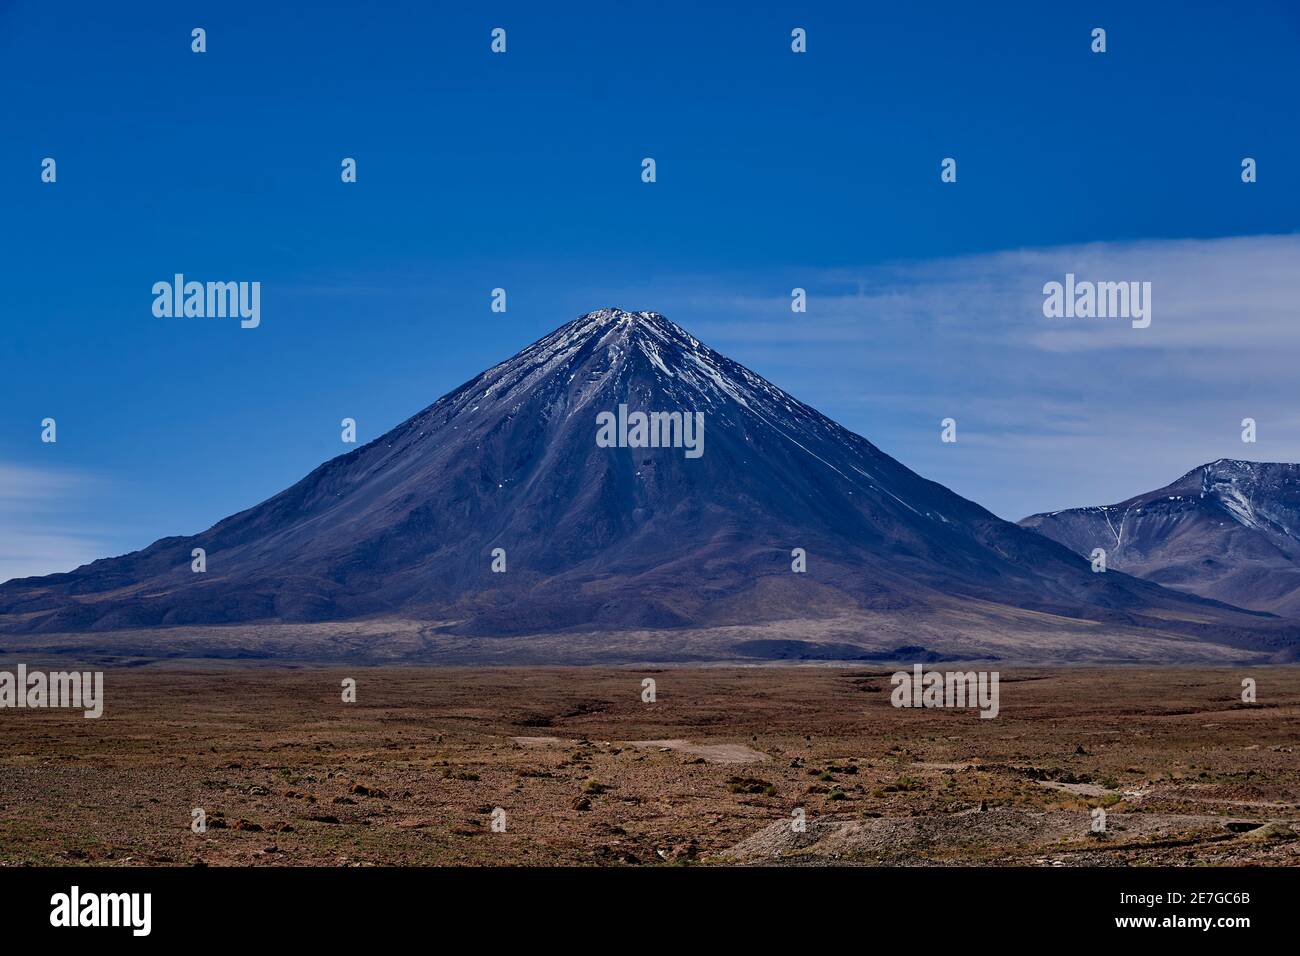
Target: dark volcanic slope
x: 1229, y: 530
x: 598, y: 537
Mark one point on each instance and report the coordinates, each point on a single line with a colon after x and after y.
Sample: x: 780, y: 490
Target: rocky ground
x: 713, y: 772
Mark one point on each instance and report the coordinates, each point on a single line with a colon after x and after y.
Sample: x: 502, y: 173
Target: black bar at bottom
x: 335, y: 906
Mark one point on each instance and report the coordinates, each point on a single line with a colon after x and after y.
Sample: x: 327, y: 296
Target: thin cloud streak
x: 43, y: 528
x: 1051, y: 412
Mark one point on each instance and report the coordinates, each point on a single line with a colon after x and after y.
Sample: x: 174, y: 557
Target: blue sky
x: 522, y: 170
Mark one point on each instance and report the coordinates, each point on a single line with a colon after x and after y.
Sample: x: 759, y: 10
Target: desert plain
x: 758, y: 765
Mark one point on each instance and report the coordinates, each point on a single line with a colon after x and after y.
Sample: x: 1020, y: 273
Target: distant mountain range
x: 608, y: 540
x: 1229, y: 530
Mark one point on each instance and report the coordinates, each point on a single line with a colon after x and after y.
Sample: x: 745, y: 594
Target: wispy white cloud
x: 44, y: 527
x: 1051, y: 412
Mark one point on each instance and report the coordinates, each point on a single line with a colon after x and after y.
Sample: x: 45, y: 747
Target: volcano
x: 507, y: 471
x: 1228, y: 530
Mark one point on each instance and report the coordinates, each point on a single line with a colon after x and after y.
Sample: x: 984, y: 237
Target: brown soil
x: 710, y: 773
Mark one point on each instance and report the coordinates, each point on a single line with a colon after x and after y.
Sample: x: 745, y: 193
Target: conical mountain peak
x: 674, y: 528
x: 612, y: 355
x: 611, y: 327
x: 623, y: 317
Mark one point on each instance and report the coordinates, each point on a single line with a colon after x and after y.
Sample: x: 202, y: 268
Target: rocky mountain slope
x: 1229, y: 530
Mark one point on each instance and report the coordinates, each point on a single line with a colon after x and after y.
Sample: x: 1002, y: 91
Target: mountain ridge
x: 1228, y: 529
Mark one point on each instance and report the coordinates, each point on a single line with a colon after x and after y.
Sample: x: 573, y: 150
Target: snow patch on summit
x: 1236, y: 503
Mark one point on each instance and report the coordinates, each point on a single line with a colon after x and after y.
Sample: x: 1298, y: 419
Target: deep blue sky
x: 523, y: 171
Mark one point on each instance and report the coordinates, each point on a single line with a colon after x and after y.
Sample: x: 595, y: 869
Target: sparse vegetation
x: 412, y: 779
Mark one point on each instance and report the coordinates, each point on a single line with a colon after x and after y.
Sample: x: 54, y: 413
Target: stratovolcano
x: 507, y: 469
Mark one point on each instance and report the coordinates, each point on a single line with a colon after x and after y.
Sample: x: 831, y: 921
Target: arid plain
x: 711, y: 773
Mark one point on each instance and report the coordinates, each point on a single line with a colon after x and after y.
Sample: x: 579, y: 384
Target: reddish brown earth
x: 710, y: 773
